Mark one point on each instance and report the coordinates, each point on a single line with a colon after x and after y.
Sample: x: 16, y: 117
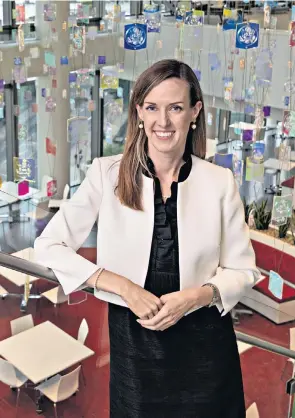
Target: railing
x: 36, y: 270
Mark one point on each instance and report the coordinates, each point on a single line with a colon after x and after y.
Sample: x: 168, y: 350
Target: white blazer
x: 214, y: 241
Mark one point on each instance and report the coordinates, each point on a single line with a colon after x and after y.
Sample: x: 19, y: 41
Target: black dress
x: 190, y: 370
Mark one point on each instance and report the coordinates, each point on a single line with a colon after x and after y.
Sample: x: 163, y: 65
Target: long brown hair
x: 129, y: 188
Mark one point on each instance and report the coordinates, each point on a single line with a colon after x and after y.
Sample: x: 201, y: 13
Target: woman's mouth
x: 164, y: 134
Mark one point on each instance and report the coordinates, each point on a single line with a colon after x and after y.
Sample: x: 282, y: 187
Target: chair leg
x: 55, y: 411
x: 17, y: 402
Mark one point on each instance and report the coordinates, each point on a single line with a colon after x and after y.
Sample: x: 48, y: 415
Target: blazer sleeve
x: 57, y: 245
x: 238, y: 271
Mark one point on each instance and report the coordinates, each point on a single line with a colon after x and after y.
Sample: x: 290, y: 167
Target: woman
x: 172, y: 241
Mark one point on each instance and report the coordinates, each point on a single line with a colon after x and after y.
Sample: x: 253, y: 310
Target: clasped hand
x: 158, y: 314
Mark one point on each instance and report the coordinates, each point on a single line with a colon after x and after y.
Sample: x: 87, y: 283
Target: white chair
x: 12, y: 377
x: 59, y: 388
x: 21, y: 324
x: 55, y: 296
x: 42, y: 195
x: 252, y: 411
x: 55, y: 203
x: 3, y: 292
x: 83, y: 331
x: 292, y: 347
x: 82, y: 335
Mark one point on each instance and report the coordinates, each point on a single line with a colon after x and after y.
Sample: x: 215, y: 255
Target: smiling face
x: 167, y: 116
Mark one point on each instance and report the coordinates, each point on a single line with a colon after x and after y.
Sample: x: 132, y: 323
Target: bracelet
x: 216, y: 295
x: 99, y: 271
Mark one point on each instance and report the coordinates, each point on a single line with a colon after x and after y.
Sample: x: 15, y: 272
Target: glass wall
x: 3, y: 145
x: 80, y: 151
x: 115, y: 116
x: 109, y: 6
x: 26, y: 131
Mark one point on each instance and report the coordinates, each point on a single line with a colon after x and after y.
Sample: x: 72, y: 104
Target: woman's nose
x: 163, y: 119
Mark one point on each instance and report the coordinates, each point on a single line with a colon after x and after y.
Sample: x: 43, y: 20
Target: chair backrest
x: 66, y: 192
x: 68, y: 385
x: 224, y: 160
x: 252, y: 411
x: 21, y: 324
x: 292, y: 338
x: 83, y: 331
x: 7, y: 373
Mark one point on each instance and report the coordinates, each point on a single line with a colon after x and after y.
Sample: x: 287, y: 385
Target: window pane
x: 25, y: 14
x: 3, y: 148
x: 125, y: 6
x: 80, y: 152
x: 27, y: 123
x: 25, y: 11
x: 115, y: 116
x: 1, y: 11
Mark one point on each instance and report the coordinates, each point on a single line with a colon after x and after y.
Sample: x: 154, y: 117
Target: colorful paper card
x: 64, y: 60
x: 135, y: 36
x: 152, y: 17
x: 51, y: 188
x: 23, y: 188
x: 266, y: 111
x: 50, y: 104
x: 276, y: 284
x: 24, y: 169
x: 254, y: 172
x: 214, y: 61
x: 282, y: 207
x: 49, y: 59
x: 247, y: 135
x: 50, y: 147
x: 247, y: 35
x: 286, y: 122
x: 49, y: 12
x: 238, y: 171
x: 231, y: 17
x: 101, y: 59
x: 79, y: 38
x: 292, y: 34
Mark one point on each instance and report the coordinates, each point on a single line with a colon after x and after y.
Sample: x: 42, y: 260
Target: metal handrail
x: 36, y: 270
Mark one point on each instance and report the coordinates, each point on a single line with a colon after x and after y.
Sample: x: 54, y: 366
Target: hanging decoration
x: 109, y: 78
x: 247, y: 35
x: 50, y: 146
x: 49, y: 12
x: 231, y: 17
x: 24, y: 169
x: 78, y: 36
x: 51, y: 188
x: 152, y: 17
x: 135, y: 36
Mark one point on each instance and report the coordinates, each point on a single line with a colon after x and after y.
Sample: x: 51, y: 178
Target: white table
x: 16, y: 277
x: 275, y: 164
x: 11, y: 188
x: 43, y: 351
x: 19, y: 279
x: 9, y: 194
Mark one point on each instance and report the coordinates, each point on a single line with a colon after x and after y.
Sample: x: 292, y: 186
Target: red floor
x: 261, y: 370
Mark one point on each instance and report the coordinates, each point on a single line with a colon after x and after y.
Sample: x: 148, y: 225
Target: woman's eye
x: 176, y: 108
x: 151, y: 108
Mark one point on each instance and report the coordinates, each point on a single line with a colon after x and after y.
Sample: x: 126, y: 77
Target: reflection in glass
x: 115, y: 115
x: 80, y: 152
x: 3, y: 148
x: 27, y: 123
